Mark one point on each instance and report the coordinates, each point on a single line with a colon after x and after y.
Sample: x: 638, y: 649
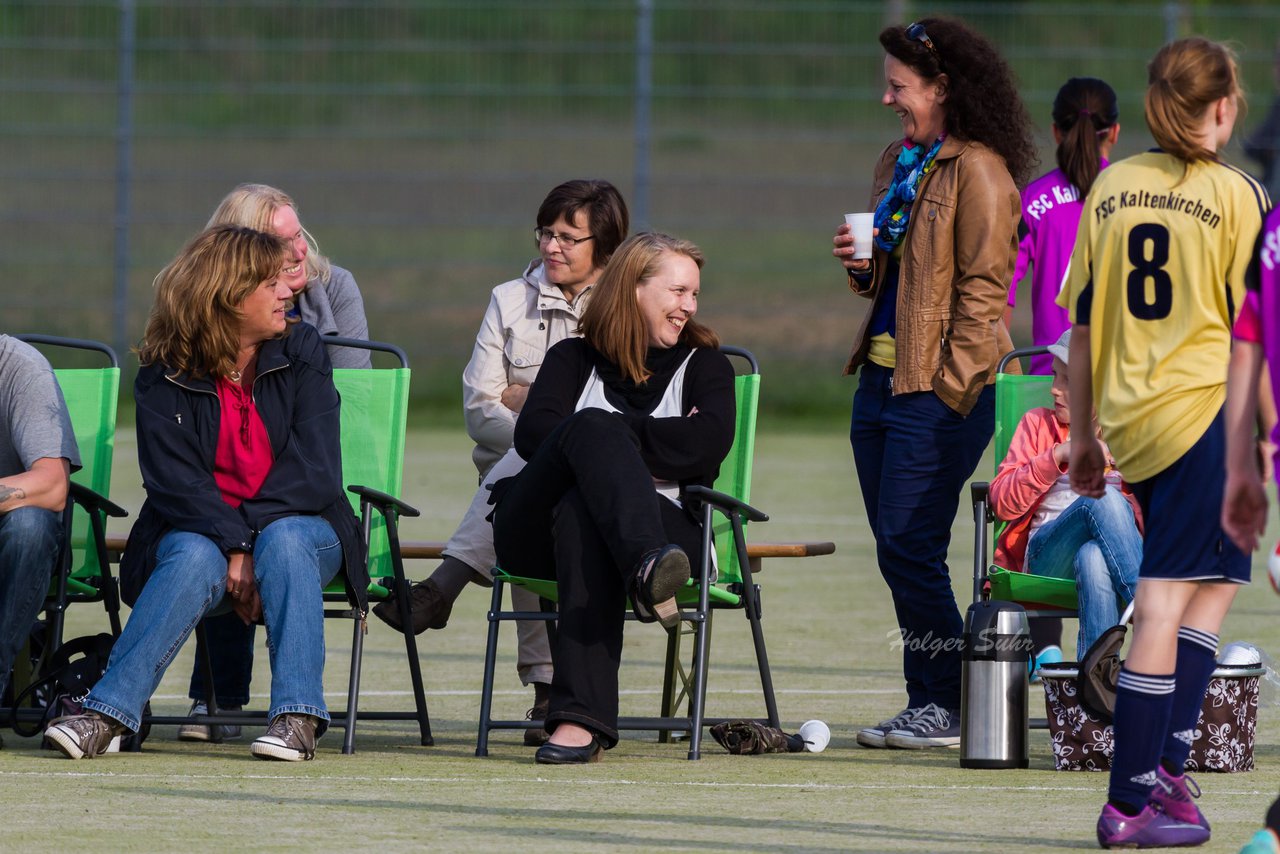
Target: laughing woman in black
x: 615, y: 426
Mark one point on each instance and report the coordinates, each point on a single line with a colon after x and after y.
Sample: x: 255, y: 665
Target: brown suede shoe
x: 429, y: 608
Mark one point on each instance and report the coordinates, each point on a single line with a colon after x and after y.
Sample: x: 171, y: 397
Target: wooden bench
x: 433, y: 549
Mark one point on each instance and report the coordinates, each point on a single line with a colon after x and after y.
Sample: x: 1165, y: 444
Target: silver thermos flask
x: 993, y: 688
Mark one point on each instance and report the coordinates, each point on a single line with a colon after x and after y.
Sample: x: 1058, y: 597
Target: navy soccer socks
x: 1144, y: 703
x: 1197, y: 657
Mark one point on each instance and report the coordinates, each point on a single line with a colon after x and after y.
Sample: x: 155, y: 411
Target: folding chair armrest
x: 91, y: 501
x: 383, y: 501
x: 727, y: 503
x: 979, y: 491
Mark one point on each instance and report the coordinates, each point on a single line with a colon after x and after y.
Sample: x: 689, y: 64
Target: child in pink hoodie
x: 1054, y: 532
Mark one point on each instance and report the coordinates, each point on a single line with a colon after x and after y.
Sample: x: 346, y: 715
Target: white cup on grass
x: 860, y: 226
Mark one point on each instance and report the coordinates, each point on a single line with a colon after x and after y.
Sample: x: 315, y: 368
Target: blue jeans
x: 30, y: 538
x: 293, y: 559
x: 914, y: 454
x: 1096, y: 542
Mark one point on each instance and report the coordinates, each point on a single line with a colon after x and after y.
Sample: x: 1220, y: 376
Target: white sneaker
x: 200, y: 732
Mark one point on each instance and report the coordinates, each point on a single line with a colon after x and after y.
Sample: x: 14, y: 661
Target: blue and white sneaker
x: 1049, y: 655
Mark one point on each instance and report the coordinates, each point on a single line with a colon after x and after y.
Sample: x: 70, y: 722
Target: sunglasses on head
x: 916, y: 32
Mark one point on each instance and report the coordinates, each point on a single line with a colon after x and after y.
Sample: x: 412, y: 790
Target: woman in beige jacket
x: 579, y: 225
x: 946, y: 212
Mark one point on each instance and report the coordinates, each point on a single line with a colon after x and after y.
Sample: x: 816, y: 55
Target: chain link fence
x: 419, y: 136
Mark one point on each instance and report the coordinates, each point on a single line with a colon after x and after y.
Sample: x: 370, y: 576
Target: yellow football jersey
x: 1158, y: 276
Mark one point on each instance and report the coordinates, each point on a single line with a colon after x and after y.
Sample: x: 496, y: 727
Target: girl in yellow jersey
x: 1154, y: 285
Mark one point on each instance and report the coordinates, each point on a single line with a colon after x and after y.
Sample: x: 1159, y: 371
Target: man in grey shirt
x: 37, y: 455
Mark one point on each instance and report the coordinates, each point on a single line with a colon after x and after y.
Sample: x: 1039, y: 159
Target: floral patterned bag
x: 1224, y: 733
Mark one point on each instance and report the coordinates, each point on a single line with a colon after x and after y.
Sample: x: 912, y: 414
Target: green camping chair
x: 375, y: 406
x: 84, y: 573
x: 1041, y: 596
x: 734, y: 589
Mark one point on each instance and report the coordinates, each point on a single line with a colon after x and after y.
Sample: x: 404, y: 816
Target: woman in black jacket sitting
x: 616, y: 424
x: 238, y: 443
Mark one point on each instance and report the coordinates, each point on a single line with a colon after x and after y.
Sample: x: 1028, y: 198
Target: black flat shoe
x: 559, y: 754
x: 662, y: 573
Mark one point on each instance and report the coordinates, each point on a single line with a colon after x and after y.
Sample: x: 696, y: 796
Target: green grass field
x: 828, y: 622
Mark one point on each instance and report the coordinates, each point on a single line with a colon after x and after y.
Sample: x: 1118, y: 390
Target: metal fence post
x: 644, y: 105
x: 124, y: 152
x: 1173, y: 14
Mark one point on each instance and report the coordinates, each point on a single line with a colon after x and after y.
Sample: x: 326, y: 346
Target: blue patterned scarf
x: 894, y: 211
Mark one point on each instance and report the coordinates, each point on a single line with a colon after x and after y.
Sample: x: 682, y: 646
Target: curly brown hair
x: 982, y: 103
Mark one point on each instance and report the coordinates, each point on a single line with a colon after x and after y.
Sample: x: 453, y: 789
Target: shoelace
x: 1192, y: 787
x: 931, y: 716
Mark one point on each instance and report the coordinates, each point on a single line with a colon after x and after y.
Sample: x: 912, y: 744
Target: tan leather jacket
x: 957, y: 263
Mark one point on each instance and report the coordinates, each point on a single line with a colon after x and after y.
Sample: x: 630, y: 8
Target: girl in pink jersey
x: 1086, y: 124
x: 1244, y: 505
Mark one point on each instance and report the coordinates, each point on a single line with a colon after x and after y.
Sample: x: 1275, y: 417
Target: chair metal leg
x: 110, y: 586
x: 206, y: 666
x: 671, y: 674
x: 353, y: 686
x: 490, y: 664
x: 410, y: 640
x: 754, y: 614
x: 698, y: 697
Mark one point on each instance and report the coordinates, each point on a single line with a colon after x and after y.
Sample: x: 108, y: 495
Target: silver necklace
x: 235, y: 376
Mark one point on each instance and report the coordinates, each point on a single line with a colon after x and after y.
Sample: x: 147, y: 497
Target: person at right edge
x: 946, y: 218
x: 1244, y: 506
x: 1153, y: 287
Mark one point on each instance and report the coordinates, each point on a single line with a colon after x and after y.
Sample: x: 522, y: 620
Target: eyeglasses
x: 916, y: 32
x: 544, y: 236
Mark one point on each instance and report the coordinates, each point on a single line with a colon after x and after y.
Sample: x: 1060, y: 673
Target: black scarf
x: 622, y: 392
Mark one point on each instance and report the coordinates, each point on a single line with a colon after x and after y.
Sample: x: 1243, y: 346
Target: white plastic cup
x: 860, y: 226
x: 816, y: 735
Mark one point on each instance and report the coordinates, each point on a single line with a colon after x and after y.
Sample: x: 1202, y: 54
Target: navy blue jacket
x: 177, y: 422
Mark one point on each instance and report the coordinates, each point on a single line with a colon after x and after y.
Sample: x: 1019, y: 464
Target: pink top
x: 244, y: 457
x: 1051, y: 209
x: 1026, y: 474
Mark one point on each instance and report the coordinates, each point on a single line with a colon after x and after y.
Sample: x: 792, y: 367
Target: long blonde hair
x: 194, y: 325
x: 1184, y: 79
x: 612, y: 322
x: 253, y: 206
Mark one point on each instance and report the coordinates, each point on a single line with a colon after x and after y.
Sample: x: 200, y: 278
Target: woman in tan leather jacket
x: 946, y: 214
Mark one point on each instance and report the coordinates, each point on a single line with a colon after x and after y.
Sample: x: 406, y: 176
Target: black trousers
x: 584, y: 512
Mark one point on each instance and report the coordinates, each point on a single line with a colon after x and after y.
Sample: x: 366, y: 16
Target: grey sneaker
x: 874, y: 736
x: 290, y: 737
x: 932, y: 726
x: 201, y: 732
x: 85, y: 736
x: 429, y: 608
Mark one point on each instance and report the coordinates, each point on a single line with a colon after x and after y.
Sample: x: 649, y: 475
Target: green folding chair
x: 375, y: 409
x: 1041, y: 596
x: 733, y: 589
x: 375, y: 405
x: 84, y: 573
